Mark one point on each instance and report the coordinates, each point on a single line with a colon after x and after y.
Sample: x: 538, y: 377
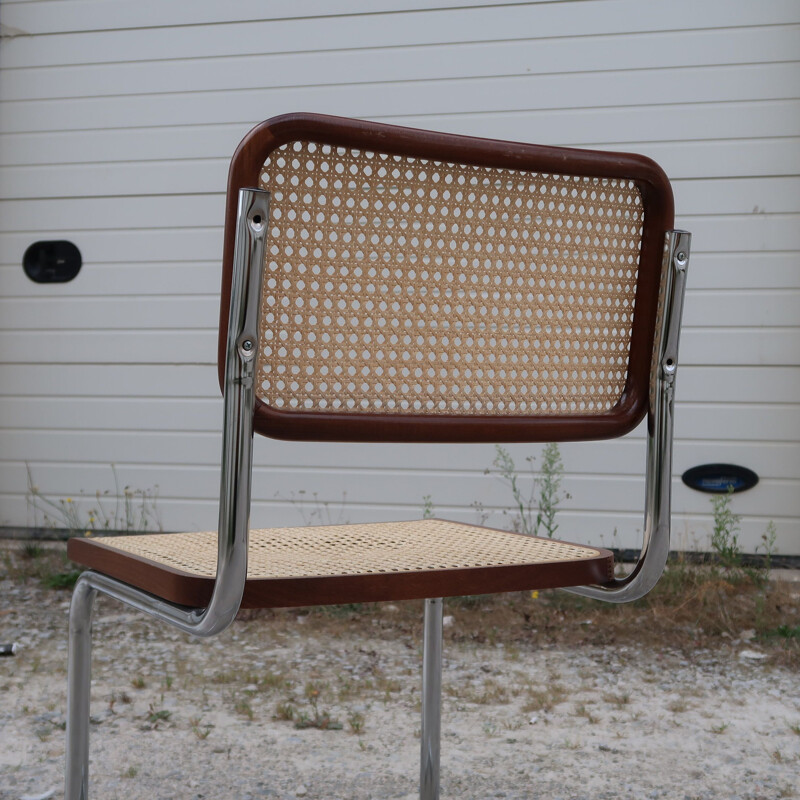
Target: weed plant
x: 549, y: 489
x: 535, y: 509
x: 355, y: 721
x: 314, y: 511
x: 45, y: 563
x: 200, y: 730
x: 725, y: 535
x: 718, y: 598
x: 126, y: 511
x: 728, y: 560
x: 316, y: 718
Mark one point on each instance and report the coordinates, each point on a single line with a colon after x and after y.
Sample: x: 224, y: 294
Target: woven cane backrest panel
x: 355, y: 549
x: 402, y: 285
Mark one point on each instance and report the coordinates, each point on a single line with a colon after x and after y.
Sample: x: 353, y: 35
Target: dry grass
x: 544, y: 698
x: 582, y: 711
x: 617, y: 700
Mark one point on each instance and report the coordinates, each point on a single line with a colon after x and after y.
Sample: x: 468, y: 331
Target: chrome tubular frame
x: 430, y: 734
x: 658, y: 481
x: 234, y: 512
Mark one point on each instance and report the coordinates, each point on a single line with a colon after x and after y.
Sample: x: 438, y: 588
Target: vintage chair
x: 396, y: 285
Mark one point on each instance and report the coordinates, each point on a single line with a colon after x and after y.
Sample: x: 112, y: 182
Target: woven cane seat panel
x: 348, y: 563
x: 402, y: 285
x: 354, y: 549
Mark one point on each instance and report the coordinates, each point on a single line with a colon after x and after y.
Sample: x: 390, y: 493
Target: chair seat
x: 348, y: 563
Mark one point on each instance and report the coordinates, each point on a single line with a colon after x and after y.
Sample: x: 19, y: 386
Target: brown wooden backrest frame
x: 657, y: 201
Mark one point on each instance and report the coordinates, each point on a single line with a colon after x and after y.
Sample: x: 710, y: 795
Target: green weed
x: 784, y: 632
x: 355, y: 720
x: 31, y: 550
x: 316, y: 719
x: 721, y: 728
x: 534, y: 507
x: 154, y: 715
x: 200, y: 730
x: 62, y: 580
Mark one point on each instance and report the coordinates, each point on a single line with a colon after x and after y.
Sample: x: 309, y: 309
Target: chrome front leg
x: 78, y: 690
x: 431, y: 700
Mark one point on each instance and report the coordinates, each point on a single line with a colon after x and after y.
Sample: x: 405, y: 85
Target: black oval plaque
x: 52, y: 262
x: 720, y: 478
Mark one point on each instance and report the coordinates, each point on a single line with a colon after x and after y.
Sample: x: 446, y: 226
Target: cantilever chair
x: 385, y: 284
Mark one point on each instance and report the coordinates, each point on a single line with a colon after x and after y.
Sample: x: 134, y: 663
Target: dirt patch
x: 549, y: 695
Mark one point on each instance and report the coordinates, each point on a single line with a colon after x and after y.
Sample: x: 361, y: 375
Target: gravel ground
x: 178, y: 717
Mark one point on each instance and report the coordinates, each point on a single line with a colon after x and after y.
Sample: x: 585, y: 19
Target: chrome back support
x: 658, y: 479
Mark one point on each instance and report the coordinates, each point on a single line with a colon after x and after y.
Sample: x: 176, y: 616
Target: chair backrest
x: 431, y: 287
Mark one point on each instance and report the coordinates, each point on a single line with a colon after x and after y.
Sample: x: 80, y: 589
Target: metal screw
x: 247, y: 345
x: 681, y: 256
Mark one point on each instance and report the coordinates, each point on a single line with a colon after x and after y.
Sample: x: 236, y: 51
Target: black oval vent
x: 720, y: 478
x: 52, y: 262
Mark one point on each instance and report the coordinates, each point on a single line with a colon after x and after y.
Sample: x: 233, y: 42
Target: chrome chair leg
x: 431, y: 700
x: 78, y: 691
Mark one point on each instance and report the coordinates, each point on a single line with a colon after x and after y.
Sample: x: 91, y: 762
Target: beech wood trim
x: 245, y: 169
x: 184, y: 589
